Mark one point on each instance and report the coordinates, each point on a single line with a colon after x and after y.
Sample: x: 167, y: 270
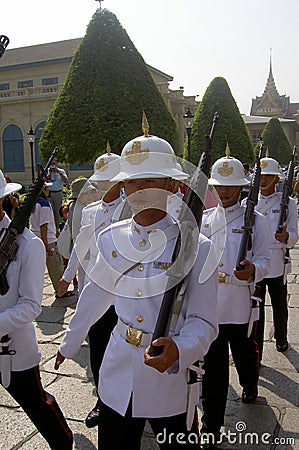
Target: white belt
x: 231, y: 279
x: 133, y: 336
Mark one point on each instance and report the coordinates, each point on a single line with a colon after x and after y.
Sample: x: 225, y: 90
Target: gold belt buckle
x: 221, y: 277
x: 134, y: 336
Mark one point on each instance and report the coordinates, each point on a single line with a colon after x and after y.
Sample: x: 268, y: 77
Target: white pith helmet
x: 106, y: 166
x: 7, y: 188
x: 228, y: 171
x: 148, y: 156
x: 270, y: 166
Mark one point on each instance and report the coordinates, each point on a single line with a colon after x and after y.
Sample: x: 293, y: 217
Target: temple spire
x: 270, y: 88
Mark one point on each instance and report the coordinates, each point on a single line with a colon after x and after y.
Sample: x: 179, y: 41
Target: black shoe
x: 282, y: 347
x: 249, y: 394
x: 92, y: 419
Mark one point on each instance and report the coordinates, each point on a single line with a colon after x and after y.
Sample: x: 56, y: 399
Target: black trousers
x: 41, y: 407
x: 216, y: 376
x: 99, y: 335
x: 278, y: 294
x: 116, y: 432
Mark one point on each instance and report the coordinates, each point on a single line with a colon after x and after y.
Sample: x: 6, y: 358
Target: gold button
x: 139, y: 319
x: 140, y: 268
x: 206, y: 225
x: 102, y: 224
x: 105, y: 211
x: 223, y: 232
x: 221, y: 249
x: 221, y: 264
x: 138, y: 293
x: 142, y: 243
x: 136, y: 229
x: 114, y: 254
x: 265, y: 213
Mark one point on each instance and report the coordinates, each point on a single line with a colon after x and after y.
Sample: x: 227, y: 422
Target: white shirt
x: 43, y: 214
x: 234, y: 300
x: 137, y: 298
x: 269, y: 206
x: 22, y: 302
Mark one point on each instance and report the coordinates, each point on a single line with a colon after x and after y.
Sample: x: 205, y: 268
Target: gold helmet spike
x: 227, y: 150
x: 267, y: 153
x: 145, y: 125
x: 108, y: 148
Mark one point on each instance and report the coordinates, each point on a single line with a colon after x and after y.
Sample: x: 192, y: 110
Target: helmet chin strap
x: 265, y: 188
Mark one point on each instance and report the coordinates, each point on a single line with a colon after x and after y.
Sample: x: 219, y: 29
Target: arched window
x: 13, y: 149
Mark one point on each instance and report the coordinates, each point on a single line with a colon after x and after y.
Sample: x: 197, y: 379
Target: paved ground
x: 271, y: 422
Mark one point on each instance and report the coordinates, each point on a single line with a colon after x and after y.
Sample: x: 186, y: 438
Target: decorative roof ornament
x: 145, y: 125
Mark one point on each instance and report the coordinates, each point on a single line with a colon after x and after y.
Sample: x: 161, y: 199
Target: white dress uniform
x: 137, y: 294
x: 22, y: 302
x: 18, y: 308
x: 269, y: 206
x: 234, y: 303
x: 95, y: 218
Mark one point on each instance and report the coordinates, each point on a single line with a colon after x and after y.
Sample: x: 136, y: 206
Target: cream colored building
x: 30, y: 81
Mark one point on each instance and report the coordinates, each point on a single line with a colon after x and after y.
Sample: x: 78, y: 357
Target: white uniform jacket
x: 95, y: 218
x: 224, y: 227
x: 270, y: 207
x: 22, y: 302
x: 137, y: 296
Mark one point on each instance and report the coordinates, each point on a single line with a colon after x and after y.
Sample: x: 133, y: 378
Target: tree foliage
x: 107, y: 88
x: 276, y: 142
x: 230, y: 128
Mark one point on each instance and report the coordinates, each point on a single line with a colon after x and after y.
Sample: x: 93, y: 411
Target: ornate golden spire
x: 145, y: 125
x: 227, y: 151
x: 108, y: 148
x: 267, y: 153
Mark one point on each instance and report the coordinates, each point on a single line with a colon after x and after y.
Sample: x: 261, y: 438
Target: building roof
x: 262, y: 120
x: 59, y: 51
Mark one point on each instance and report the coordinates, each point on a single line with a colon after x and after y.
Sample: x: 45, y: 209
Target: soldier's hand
x: 169, y: 355
x: 283, y: 236
x: 247, y: 272
x: 59, y: 360
x: 62, y: 287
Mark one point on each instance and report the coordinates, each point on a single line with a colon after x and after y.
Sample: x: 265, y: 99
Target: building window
x: 4, y: 87
x: 25, y: 84
x: 13, y: 149
x: 50, y: 82
x: 47, y: 81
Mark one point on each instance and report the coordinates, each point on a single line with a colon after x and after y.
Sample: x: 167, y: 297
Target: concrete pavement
x: 270, y: 423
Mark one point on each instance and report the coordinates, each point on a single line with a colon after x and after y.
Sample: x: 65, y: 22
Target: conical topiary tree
x: 107, y: 88
x: 276, y: 142
x: 230, y: 128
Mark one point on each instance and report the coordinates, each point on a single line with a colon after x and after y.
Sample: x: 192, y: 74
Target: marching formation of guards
x: 125, y: 247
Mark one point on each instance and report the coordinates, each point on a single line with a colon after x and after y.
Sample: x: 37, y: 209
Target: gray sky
x: 192, y: 40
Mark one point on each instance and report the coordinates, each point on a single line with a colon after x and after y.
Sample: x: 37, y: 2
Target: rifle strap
x: 219, y: 225
x: 270, y: 204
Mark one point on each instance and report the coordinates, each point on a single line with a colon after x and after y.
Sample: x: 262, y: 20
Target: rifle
x: 8, y: 244
x: 195, y: 204
x: 252, y: 200
x: 286, y: 193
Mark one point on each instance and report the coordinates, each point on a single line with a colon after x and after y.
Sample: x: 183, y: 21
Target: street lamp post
x: 188, y: 122
x: 31, y: 139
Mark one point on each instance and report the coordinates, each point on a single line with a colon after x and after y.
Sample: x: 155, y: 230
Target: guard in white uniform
x: 18, y: 308
x: 269, y: 205
x: 223, y: 225
x: 95, y: 218
x: 131, y: 272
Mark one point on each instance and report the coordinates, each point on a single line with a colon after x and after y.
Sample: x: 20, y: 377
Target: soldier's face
x: 229, y: 195
x: 143, y: 193
x: 268, y: 182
